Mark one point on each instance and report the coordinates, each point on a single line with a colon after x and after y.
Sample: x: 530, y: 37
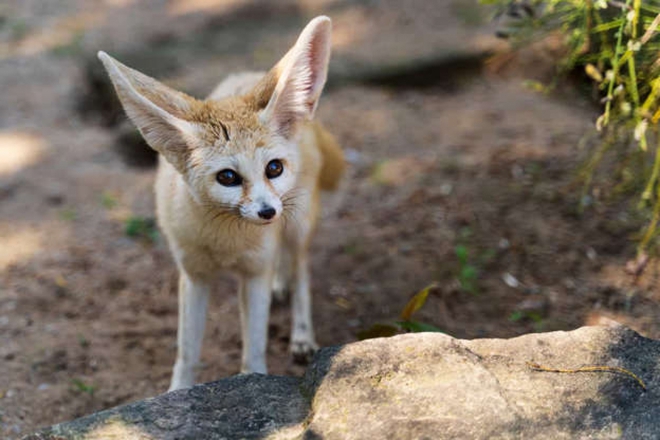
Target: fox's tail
x: 332, y: 180
x: 334, y: 164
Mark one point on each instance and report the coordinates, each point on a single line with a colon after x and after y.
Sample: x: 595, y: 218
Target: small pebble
x: 510, y: 280
x: 587, y: 201
x: 591, y: 254
x: 536, y: 305
x: 517, y: 172
x: 338, y: 291
x: 353, y: 157
x: 446, y: 189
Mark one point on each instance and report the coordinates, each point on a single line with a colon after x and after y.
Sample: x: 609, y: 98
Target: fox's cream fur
x: 238, y: 189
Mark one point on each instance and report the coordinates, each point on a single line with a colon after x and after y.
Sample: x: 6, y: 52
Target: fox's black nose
x: 267, y: 212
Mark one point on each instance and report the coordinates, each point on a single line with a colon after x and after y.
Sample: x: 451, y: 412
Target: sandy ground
x: 88, y: 309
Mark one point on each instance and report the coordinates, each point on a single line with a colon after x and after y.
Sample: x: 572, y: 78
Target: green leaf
x: 467, y: 278
x: 68, y: 214
x: 82, y: 387
x: 516, y: 316
x: 468, y: 273
x: 461, y: 253
x: 108, y: 200
x: 140, y: 227
x: 520, y: 315
x: 418, y: 327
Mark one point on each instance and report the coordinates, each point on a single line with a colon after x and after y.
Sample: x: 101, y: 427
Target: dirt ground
x: 480, y: 163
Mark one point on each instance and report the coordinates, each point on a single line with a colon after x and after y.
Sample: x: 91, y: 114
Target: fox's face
x: 238, y: 154
x: 253, y: 174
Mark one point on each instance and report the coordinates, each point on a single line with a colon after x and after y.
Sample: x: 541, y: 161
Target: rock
x: 417, y: 386
x: 425, y: 385
x: 415, y: 43
x: 244, y: 406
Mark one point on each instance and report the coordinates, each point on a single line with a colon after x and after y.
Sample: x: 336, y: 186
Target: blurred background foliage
x: 616, y: 45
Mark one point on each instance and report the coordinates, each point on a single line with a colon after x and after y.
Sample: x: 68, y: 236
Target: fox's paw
x: 183, y: 376
x: 303, y: 351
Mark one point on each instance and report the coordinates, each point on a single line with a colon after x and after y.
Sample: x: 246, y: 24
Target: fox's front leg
x: 255, y: 296
x: 193, y: 299
x: 282, y: 277
x: 303, y: 343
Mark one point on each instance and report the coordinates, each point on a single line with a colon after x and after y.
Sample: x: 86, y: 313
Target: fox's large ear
x: 301, y: 75
x: 155, y: 109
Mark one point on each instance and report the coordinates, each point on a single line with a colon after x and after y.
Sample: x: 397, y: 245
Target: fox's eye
x: 228, y: 178
x: 274, y: 168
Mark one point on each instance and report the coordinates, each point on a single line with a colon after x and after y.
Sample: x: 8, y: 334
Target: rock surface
x: 416, y: 386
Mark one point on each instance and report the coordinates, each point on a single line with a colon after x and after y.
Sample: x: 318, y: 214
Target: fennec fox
x: 238, y: 189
